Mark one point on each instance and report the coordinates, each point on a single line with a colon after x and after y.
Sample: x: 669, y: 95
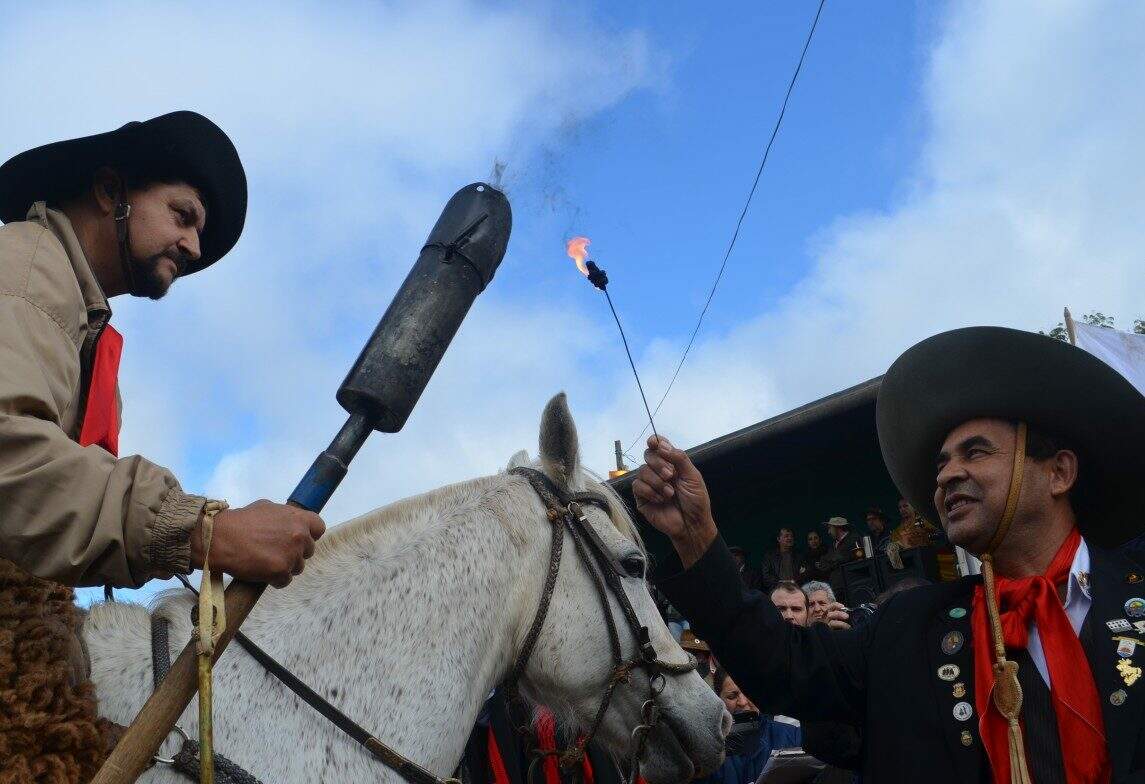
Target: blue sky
x: 941, y: 164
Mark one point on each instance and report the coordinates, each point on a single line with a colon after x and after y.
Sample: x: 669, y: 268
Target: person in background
x: 751, y: 577
x: 913, y: 529
x: 878, y: 525
x: 840, y: 551
x: 698, y: 648
x: 752, y: 738
x: 820, y: 597
x: 791, y: 602
x: 836, y: 743
x: 816, y: 550
x: 781, y: 564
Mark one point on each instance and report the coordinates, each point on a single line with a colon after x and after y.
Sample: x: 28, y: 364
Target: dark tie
x: 1039, y: 723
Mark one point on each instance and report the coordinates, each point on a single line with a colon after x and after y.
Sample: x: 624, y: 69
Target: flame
x: 578, y: 252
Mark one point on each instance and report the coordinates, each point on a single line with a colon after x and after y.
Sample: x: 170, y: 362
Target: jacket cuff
x: 169, y: 551
x: 709, y: 593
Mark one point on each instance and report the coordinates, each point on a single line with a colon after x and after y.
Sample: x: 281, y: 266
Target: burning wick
x: 578, y: 251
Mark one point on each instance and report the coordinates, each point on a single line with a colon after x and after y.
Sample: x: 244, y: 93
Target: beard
x: 149, y: 281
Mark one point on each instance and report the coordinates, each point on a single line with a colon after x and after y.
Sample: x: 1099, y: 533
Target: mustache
x: 179, y: 259
x: 963, y: 486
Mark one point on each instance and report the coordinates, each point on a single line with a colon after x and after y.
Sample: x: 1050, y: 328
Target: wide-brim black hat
x: 183, y: 145
x: 1059, y: 389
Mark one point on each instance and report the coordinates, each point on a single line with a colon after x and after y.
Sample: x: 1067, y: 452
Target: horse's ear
x: 521, y: 458
x: 560, y: 451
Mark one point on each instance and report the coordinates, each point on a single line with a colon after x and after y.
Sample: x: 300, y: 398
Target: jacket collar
x: 60, y: 226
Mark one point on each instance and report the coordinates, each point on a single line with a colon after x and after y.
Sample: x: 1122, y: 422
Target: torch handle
x: 329, y: 468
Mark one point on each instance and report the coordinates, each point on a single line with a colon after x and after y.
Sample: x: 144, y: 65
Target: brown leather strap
x: 1015, y: 490
x: 1007, y: 692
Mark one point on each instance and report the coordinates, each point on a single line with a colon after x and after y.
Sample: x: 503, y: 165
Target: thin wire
x: 631, y: 363
x: 739, y: 224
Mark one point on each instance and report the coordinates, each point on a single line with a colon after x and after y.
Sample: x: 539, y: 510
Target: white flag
x: 1122, y: 351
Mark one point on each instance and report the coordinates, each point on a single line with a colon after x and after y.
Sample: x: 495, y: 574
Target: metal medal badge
x: 1119, y: 625
x: 963, y: 711
x: 1127, y: 671
x: 1125, y: 646
x: 1135, y: 607
x: 952, y: 642
x: 949, y: 672
x: 959, y: 690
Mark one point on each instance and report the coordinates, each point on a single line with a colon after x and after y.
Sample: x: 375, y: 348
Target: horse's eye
x: 633, y: 566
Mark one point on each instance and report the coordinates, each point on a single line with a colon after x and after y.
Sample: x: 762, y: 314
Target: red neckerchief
x: 101, y: 417
x: 1072, y: 690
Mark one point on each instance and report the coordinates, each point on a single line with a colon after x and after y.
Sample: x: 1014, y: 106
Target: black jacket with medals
x: 885, y: 677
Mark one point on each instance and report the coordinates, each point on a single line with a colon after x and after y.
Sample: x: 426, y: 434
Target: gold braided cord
x: 212, y: 621
x: 1007, y: 691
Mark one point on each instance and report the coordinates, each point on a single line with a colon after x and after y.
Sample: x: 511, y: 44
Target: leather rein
x: 564, y: 512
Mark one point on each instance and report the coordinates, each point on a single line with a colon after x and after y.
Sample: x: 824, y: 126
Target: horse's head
x: 574, y: 657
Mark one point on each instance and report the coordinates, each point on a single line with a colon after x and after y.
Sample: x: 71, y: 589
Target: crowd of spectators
x: 826, y: 551
x: 800, y: 586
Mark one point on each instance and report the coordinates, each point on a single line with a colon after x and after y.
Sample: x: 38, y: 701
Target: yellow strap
x: 1015, y: 490
x: 212, y: 622
x: 212, y: 607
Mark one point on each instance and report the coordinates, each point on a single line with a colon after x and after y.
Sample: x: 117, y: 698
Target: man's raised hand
x: 671, y: 495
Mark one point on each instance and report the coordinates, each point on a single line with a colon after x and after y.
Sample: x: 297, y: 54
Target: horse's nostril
x: 725, y: 724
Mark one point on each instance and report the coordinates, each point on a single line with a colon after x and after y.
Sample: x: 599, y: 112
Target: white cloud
x: 357, y: 124
x: 1027, y: 198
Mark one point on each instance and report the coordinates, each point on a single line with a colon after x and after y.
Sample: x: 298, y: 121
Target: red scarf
x: 1072, y: 690
x: 101, y: 418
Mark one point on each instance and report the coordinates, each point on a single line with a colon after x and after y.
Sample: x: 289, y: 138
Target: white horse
x: 406, y: 618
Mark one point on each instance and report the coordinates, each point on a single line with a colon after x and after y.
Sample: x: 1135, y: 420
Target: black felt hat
x: 1054, y: 387
x: 183, y: 145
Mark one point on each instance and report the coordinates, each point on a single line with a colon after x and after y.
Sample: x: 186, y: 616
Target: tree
x: 1097, y: 319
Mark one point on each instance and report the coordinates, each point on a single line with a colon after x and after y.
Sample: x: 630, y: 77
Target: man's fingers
x: 677, y: 459
x: 658, y: 464
x: 651, y: 478
x: 317, y: 527
x: 644, y: 492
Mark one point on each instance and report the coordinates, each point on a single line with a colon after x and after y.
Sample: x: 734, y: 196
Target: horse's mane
x: 488, y: 494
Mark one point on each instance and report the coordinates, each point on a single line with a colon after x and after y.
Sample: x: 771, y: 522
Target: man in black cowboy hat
x: 123, y: 212
x: 1030, y: 452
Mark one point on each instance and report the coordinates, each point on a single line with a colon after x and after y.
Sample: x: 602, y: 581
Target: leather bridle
x: 565, y: 513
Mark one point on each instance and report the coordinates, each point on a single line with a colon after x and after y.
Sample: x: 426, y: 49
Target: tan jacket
x: 69, y: 513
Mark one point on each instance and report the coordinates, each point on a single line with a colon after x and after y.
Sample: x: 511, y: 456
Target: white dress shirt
x: 1077, y: 603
